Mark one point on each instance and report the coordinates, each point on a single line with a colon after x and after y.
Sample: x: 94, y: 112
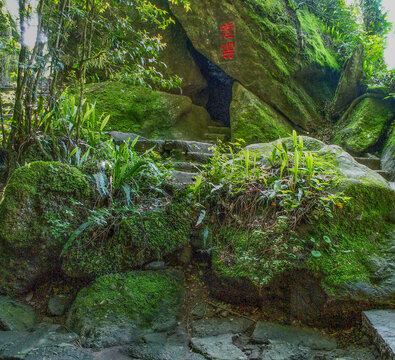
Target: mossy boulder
x: 349, y: 87
x: 15, y: 316
x: 179, y: 61
x: 153, y: 114
x: 140, y: 237
x: 42, y: 203
x: 119, y: 309
x: 388, y: 155
x: 272, y: 44
x: 364, y: 124
x: 254, y: 121
x: 358, y: 230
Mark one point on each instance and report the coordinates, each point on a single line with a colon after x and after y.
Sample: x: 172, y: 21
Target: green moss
x: 33, y: 193
x: 273, y: 8
x: 243, y: 253
x: 315, y: 51
x: 363, y: 127
x: 357, y: 231
x: 153, y: 114
x: 156, y: 233
x: 253, y: 120
x: 391, y: 139
x: 277, y: 37
x: 15, y: 316
x: 140, y: 296
x: 258, y: 126
x: 378, y: 89
x: 139, y: 238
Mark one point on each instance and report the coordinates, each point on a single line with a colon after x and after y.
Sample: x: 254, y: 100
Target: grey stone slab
x: 155, y: 351
x: 284, y: 351
x: 113, y: 353
x: 214, y: 327
x: 45, y: 342
x: 266, y: 332
x: 182, y: 178
x: 218, y: 348
x: 381, y: 325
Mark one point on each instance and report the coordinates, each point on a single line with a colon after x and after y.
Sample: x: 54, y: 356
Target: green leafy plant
x: 264, y: 201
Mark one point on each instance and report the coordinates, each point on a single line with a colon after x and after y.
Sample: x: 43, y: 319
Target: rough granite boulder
x: 15, y: 316
x: 364, y: 123
x: 41, y: 203
x: 349, y: 87
x: 254, y: 121
x: 153, y: 114
x: 179, y: 62
x: 388, y: 155
x: 122, y: 308
x: 359, y: 231
x: 273, y: 43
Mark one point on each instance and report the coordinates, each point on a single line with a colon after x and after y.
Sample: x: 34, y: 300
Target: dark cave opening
x: 218, y: 93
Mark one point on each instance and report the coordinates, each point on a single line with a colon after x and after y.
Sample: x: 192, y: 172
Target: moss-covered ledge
x: 357, y: 231
x: 38, y: 198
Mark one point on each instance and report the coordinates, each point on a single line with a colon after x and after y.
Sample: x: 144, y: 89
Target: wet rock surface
x: 45, y: 342
x: 208, y: 339
x: 15, y: 316
x: 381, y: 325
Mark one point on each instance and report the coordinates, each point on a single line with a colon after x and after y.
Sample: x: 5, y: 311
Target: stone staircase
x: 189, y: 161
x: 216, y: 132
x: 188, y: 157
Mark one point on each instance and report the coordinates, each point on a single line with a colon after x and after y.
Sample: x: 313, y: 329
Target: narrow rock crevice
x: 217, y: 97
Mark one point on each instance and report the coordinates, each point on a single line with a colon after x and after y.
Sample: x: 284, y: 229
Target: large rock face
x: 175, y: 55
x: 349, y: 87
x: 253, y: 120
x: 388, y: 156
x: 153, y: 114
x: 364, y: 123
x: 38, y: 197
x: 180, y: 62
x: 273, y: 43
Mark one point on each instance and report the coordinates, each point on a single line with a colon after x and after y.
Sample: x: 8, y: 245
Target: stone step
x: 392, y: 184
x: 182, y: 179
x: 187, y: 166
x: 385, y: 174
x: 380, y: 325
x: 219, y: 130
x: 187, y: 146
x: 198, y: 157
x: 216, y: 137
x: 372, y: 163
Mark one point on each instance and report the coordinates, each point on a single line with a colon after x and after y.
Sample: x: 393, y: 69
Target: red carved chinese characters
x: 227, y: 31
x: 228, y: 48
